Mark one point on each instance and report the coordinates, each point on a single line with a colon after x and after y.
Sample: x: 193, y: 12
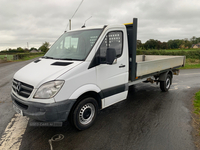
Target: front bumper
x: 52, y: 112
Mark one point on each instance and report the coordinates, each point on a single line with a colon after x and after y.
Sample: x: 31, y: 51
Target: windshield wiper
x: 47, y: 57
x: 71, y: 59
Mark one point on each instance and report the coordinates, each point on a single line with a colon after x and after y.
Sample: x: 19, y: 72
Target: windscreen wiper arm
x: 71, y: 59
x: 47, y: 57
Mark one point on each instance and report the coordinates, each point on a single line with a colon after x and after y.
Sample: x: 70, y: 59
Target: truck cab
x: 89, y: 62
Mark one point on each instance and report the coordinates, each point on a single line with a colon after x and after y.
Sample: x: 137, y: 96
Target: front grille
x: 21, y: 88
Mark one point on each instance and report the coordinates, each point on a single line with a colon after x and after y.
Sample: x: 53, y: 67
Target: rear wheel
x: 85, y: 113
x: 165, y: 85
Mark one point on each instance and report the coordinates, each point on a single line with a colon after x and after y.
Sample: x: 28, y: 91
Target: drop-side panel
x: 152, y: 63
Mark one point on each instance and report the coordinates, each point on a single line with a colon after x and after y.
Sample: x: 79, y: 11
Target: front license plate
x: 19, y: 111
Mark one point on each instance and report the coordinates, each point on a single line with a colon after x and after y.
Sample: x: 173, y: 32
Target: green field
x: 175, y: 50
x: 9, y: 57
x: 188, y: 52
x: 21, y: 56
x: 28, y: 57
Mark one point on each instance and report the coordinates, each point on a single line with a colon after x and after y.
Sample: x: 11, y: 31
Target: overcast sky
x: 37, y: 21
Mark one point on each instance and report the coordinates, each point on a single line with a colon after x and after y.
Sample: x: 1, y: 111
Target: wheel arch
x: 84, y: 92
x: 163, y: 76
x: 92, y: 94
x: 85, y: 89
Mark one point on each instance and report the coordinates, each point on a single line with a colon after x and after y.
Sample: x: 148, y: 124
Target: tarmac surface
x: 147, y: 120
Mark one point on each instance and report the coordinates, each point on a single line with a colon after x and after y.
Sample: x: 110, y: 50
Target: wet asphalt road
x: 7, y: 71
x: 148, y: 120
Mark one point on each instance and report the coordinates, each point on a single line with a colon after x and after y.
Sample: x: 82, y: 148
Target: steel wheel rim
x: 167, y: 83
x: 86, y: 113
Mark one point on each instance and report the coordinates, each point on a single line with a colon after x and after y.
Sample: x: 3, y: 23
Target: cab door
x: 112, y: 78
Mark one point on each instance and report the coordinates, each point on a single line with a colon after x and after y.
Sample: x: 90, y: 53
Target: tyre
x: 85, y: 113
x: 165, y: 85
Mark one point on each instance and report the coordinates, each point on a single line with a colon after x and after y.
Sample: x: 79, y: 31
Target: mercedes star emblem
x: 18, y: 89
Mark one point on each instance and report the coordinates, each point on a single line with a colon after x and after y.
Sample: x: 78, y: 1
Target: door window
x: 113, y: 40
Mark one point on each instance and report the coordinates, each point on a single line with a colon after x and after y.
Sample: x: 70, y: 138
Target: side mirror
x: 111, y: 56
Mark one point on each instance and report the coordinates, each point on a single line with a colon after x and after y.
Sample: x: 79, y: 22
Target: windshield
x: 73, y: 45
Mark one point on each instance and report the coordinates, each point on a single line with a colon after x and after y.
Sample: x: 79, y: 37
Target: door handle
x: 122, y: 66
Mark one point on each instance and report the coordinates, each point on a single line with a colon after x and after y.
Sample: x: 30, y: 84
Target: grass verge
x: 197, y: 103
x: 196, y: 120
x: 197, y: 112
x: 191, y: 64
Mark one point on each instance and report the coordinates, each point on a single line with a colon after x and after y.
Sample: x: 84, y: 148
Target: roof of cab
x: 97, y: 27
x: 86, y: 28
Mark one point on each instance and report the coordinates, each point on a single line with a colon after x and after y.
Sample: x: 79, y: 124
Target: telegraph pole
x: 70, y: 24
x: 70, y: 20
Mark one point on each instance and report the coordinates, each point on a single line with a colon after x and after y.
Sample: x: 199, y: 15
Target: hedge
x: 194, y: 54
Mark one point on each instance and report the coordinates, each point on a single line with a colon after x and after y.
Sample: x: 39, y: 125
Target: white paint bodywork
x: 109, y: 76
x: 36, y: 74
x: 114, y: 99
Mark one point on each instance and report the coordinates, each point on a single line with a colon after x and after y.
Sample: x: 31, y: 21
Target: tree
x: 193, y: 40
x: 139, y: 44
x: 187, y: 43
x: 45, y: 47
x: 174, y: 44
x: 19, y: 49
x: 198, y: 40
x: 152, y: 44
x: 33, y: 48
x: 164, y: 45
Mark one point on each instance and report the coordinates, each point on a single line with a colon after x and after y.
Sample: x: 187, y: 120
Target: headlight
x: 49, y: 89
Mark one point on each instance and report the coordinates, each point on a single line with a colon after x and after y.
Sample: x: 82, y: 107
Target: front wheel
x: 85, y: 113
x: 165, y: 85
